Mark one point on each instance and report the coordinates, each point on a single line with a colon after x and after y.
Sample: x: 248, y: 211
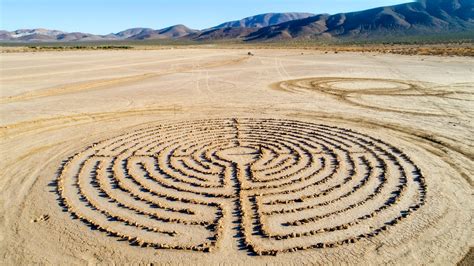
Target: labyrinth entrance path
x: 212, y: 156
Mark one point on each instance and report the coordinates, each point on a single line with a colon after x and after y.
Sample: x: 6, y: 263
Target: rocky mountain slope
x: 422, y: 17
x: 263, y: 20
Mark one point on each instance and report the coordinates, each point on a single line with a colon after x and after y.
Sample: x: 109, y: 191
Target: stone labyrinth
x: 266, y: 186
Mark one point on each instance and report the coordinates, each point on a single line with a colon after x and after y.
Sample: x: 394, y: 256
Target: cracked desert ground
x: 213, y: 156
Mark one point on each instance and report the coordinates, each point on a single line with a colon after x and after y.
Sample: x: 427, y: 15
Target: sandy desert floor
x: 213, y: 156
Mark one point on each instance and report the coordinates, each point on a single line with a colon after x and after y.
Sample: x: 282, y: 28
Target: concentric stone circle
x: 290, y: 185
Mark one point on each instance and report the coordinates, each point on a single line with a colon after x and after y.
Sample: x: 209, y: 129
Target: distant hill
x: 263, y: 20
x: 26, y: 32
x: 237, y: 33
x: 173, y: 32
x: 5, y: 35
x: 45, y: 35
x: 34, y: 37
x: 30, y: 35
x: 422, y: 17
x: 133, y: 32
x: 79, y: 36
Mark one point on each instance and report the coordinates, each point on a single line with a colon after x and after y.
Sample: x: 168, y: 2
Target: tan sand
x: 213, y: 156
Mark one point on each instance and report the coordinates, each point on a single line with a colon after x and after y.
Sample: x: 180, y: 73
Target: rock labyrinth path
x: 264, y: 186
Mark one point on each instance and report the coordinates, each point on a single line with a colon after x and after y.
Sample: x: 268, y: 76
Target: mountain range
x: 420, y: 17
x: 233, y: 29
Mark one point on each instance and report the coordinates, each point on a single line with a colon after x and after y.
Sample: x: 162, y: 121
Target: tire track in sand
x: 107, y: 83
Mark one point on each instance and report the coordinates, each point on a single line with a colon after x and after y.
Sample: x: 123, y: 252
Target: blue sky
x: 105, y: 16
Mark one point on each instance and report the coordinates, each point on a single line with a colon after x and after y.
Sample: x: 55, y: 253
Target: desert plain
x: 215, y: 156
